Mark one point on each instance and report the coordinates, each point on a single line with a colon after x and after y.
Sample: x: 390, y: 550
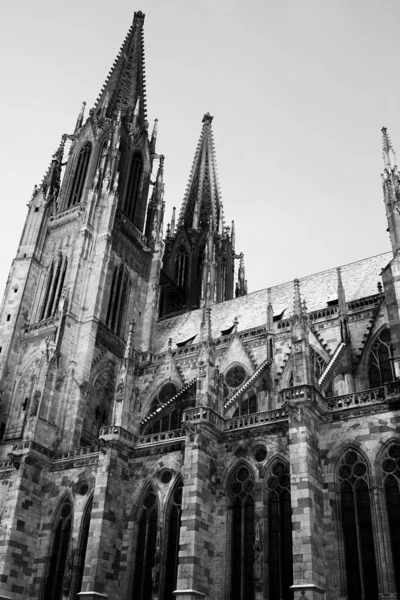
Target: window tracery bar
x: 361, y: 573
x: 391, y: 483
x: 380, y: 368
x: 146, y: 548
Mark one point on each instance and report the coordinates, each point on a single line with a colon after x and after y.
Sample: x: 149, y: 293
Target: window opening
x: 359, y: 549
x: 243, y: 534
x: 57, y: 563
x: 391, y: 482
x: 80, y: 174
x: 133, y: 187
x: 174, y: 524
x: 146, y: 548
x: 380, y: 363
x: 280, y: 544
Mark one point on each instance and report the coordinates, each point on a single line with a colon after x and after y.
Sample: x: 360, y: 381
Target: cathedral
x: 164, y: 433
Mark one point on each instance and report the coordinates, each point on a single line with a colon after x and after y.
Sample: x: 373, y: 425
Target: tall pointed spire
x: 202, y: 200
x: 389, y: 156
x: 125, y: 82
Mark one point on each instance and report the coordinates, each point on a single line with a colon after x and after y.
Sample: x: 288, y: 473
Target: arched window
x: 358, y: 538
x: 146, y: 547
x: 234, y: 377
x: 248, y: 406
x: 54, y: 287
x: 118, y: 299
x: 280, y: 544
x: 181, y: 267
x: 59, y: 565
x: 318, y: 363
x: 243, y: 534
x: 132, y: 203
x: 81, y: 168
x: 391, y: 482
x: 171, y: 420
x: 173, y: 529
x: 83, y: 540
x: 379, y: 363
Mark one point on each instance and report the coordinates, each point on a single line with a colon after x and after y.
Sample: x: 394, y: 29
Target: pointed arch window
x: 83, y: 541
x: 146, y: 547
x: 379, y: 362
x: 248, y: 406
x: 391, y: 482
x: 81, y: 169
x: 59, y: 563
x: 280, y: 544
x: 361, y: 574
x: 132, y: 204
x: 318, y: 363
x: 173, y: 529
x: 169, y: 421
x: 117, y: 303
x: 181, y: 267
x: 234, y: 378
x: 54, y: 287
x: 243, y: 533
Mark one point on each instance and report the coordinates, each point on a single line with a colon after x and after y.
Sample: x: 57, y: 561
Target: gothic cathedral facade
x: 165, y: 434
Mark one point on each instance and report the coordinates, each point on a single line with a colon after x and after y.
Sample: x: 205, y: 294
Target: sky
x: 299, y: 91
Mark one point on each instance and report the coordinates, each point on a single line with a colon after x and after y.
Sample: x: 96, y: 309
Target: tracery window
x: 118, y: 299
x: 248, y: 406
x: 54, y: 287
x: 181, y: 267
x: 132, y: 204
x: 146, y: 547
x: 173, y: 529
x: 171, y: 420
x: 358, y: 538
x: 391, y: 482
x: 280, y: 544
x: 379, y: 363
x: 319, y: 364
x: 234, y: 377
x: 58, y: 566
x: 243, y: 533
x: 81, y: 168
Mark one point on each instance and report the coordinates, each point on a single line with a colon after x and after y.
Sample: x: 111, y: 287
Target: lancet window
x: 280, y: 545
x: 391, y: 482
x: 172, y: 419
x: 146, y: 547
x: 380, y: 363
x: 181, y: 266
x: 54, y: 287
x: 117, y: 303
x: 361, y: 574
x: 83, y: 541
x: 173, y: 528
x: 132, y: 193
x: 59, y: 564
x: 243, y: 533
x: 81, y: 169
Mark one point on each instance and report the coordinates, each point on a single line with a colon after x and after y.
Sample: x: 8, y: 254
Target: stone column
x: 307, y: 501
x: 197, y: 543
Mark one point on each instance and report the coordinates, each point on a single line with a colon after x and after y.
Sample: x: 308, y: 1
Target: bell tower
x: 198, y: 265
x: 87, y: 267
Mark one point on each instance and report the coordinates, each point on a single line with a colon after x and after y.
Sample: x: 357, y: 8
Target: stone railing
x: 357, y: 398
x: 159, y: 438
x: 114, y: 431
x: 203, y: 413
x: 260, y: 418
x: 78, y: 452
x: 301, y: 392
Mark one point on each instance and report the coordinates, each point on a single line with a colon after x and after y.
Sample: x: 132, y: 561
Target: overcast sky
x: 299, y: 90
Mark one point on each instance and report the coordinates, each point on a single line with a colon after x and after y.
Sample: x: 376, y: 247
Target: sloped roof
x: 359, y: 280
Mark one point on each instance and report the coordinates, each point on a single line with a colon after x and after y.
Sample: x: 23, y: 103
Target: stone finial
x: 235, y: 324
x: 270, y: 312
x: 207, y: 119
x: 81, y: 114
x: 173, y: 221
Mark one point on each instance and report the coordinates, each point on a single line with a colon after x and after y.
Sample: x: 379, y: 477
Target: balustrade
x: 357, y: 398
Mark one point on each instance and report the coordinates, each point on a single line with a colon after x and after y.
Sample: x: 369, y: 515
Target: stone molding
x: 90, y: 595
x: 189, y: 594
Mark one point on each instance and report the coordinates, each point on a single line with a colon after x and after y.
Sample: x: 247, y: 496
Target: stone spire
x: 202, y: 202
x: 300, y: 342
x: 125, y: 83
x: 391, y: 190
x: 241, y: 285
